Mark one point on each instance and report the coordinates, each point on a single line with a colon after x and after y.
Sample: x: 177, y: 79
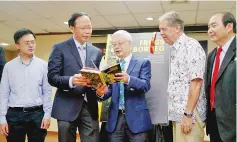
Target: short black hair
x: 20, y: 33
x: 229, y: 18
x: 72, y: 20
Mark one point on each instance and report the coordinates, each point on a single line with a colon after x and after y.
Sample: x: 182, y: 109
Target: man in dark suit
x: 2, y: 61
x: 221, y: 79
x: 75, y: 104
x: 128, y: 114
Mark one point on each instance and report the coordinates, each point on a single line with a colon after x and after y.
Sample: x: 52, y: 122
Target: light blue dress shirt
x: 25, y: 85
x: 81, y: 51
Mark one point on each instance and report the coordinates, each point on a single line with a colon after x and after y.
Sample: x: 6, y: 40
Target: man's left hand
x: 45, y: 123
x: 186, y: 124
x: 122, y: 77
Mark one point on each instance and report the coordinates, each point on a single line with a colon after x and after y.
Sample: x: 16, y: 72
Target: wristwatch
x: 189, y: 115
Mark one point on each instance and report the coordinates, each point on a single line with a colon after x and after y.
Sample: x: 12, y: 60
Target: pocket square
x: 131, y: 89
x: 65, y: 90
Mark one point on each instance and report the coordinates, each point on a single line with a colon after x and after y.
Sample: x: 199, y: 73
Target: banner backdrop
x: 157, y: 96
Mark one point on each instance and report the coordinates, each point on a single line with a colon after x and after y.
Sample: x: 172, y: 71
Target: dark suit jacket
x: 2, y: 61
x: 64, y: 62
x: 225, y: 93
x: 136, y: 109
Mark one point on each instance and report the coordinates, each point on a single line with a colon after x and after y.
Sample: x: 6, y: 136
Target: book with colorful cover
x: 105, y: 76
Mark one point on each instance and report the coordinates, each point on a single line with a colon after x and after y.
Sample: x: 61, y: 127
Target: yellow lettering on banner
x: 146, y: 49
x: 134, y: 49
x: 140, y: 49
x: 145, y: 42
x: 161, y: 47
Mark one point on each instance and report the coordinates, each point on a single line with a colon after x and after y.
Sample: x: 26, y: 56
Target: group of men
x: 25, y: 89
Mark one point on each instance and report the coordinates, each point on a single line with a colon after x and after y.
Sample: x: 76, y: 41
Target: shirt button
x: 83, y: 95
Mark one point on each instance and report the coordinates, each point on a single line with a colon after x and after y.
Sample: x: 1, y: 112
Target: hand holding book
x: 79, y: 80
x: 122, y: 77
x: 101, y: 89
x: 104, y: 77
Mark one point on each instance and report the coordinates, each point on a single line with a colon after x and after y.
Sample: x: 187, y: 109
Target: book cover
x: 105, y: 76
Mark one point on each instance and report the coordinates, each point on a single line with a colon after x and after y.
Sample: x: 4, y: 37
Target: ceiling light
x: 4, y: 44
x: 179, y: 1
x: 149, y: 18
x: 65, y: 23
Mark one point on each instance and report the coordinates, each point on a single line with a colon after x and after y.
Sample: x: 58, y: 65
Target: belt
x: 27, y: 109
x: 122, y: 111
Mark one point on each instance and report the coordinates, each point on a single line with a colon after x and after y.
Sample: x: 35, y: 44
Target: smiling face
x: 121, y: 46
x: 217, y: 31
x: 82, y: 29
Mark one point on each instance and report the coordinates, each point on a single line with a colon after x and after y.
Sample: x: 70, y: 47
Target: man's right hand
x: 101, y: 89
x: 4, y: 129
x: 79, y: 80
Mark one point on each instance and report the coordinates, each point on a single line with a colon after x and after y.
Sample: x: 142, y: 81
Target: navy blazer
x: 64, y: 62
x: 136, y: 109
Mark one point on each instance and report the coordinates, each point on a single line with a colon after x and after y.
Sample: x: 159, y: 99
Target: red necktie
x: 214, y: 78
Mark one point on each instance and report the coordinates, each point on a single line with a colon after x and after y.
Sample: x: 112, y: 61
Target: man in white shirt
x: 186, y: 100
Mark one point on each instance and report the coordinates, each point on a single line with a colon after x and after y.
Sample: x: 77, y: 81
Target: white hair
x: 173, y: 17
x: 123, y: 33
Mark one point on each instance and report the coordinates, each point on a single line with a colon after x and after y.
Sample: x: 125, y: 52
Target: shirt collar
x: 19, y: 57
x: 178, y: 43
x: 227, y: 44
x: 128, y: 58
x: 78, y: 44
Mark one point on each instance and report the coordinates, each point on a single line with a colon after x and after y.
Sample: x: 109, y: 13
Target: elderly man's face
x: 168, y: 32
x: 121, y: 46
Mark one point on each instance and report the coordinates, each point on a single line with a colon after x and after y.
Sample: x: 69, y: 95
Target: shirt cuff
x: 47, y: 115
x: 70, y: 83
x: 128, y: 79
x: 3, y: 120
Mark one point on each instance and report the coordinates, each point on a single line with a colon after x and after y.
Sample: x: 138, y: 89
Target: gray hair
x: 123, y: 33
x: 172, y: 17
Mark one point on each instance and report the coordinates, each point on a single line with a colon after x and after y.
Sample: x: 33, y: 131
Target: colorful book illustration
x: 105, y: 76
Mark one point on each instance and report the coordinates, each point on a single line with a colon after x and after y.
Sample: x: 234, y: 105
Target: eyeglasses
x: 28, y: 43
x: 84, y: 28
x: 120, y: 43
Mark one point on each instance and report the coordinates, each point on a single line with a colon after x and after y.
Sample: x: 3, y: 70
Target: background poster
x: 157, y: 96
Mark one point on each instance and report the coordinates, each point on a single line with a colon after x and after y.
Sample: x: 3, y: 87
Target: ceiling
x: 49, y: 16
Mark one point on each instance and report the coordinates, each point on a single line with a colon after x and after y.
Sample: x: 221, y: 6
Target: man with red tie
x: 221, y: 79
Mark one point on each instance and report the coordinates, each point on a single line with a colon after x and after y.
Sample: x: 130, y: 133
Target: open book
x: 105, y: 76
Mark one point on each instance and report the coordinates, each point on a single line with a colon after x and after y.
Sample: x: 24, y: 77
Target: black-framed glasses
x: 120, y: 43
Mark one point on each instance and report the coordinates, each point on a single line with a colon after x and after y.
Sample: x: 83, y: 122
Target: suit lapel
x: 228, y: 56
x: 73, y: 49
x: 131, y: 65
x: 211, y: 63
